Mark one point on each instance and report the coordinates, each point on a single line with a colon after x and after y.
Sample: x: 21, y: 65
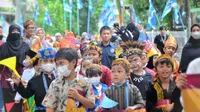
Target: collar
x: 110, y: 44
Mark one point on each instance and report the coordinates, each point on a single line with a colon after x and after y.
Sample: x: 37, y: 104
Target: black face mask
x: 1, y: 36
x: 14, y: 37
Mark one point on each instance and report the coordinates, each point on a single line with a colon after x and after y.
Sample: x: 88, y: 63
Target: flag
x: 107, y: 15
x: 36, y: 13
x: 168, y: 7
x: 176, y: 15
x: 79, y: 4
x: 91, y: 9
x: 68, y: 8
x: 136, y: 19
x: 152, y: 15
x: 2, y: 21
x: 47, y: 18
x: 191, y: 94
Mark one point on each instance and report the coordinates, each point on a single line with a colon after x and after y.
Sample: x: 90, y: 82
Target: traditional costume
x: 171, y: 41
x: 38, y: 85
x: 34, y: 41
x: 158, y: 98
x: 126, y: 94
x: 13, y: 47
x: 141, y: 81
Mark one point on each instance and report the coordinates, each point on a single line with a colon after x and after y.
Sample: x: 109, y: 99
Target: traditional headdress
x: 150, y: 49
x: 93, y: 46
x: 28, y: 22
x: 46, y: 53
x: 165, y: 56
x: 133, y: 47
x: 121, y: 61
x: 171, y: 41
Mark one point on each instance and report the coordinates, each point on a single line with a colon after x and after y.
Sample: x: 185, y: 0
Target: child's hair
x: 105, y: 28
x: 123, y: 62
x: 164, y: 59
x: 69, y: 54
x: 134, y: 47
x: 93, y: 70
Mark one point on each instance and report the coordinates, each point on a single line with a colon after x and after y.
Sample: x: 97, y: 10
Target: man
x: 33, y: 41
x: 161, y: 38
x: 108, y: 48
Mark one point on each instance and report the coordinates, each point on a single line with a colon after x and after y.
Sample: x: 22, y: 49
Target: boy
x: 66, y: 93
x: 38, y: 85
x: 138, y: 76
x: 108, y: 48
x: 96, y: 53
x: 93, y: 73
x: 127, y: 95
x: 170, y: 49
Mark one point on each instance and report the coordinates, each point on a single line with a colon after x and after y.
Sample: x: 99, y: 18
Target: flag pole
x: 77, y: 12
x: 88, y: 21
x: 70, y: 21
x: 64, y: 18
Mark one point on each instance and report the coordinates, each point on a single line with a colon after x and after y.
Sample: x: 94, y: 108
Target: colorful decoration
x: 46, y: 53
x: 10, y: 63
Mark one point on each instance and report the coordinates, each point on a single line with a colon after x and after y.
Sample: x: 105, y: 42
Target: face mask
x: 14, y: 36
x: 94, y: 80
x: 196, y: 35
x: 63, y: 70
x: 48, y: 67
x: 26, y: 63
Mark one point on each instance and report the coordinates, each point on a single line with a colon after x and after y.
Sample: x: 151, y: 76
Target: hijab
x: 14, y: 45
x: 191, y: 51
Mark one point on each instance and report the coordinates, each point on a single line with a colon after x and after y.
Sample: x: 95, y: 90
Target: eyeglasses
x: 30, y: 28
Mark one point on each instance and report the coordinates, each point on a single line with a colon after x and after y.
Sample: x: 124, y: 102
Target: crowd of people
x: 58, y: 75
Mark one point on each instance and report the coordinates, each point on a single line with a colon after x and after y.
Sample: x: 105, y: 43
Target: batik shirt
x: 56, y: 96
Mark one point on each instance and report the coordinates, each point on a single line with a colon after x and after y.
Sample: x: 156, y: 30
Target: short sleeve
x: 51, y: 99
x: 90, y: 93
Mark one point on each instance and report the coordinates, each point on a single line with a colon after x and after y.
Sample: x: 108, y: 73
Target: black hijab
x: 14, y: 46
x: 191, y: 51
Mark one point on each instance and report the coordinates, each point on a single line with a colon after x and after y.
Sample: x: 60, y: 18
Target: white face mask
x: 95, y: 80
x: 196, y: 35
x: 26, y: 63
x: 64, y: 70
x: 48, y: 67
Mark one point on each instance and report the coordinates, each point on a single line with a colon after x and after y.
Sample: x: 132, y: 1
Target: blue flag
x: 79, y: 4
x: 152, y: 15
x: 168, y: 7
x: 47, y: 18
x: 136, y: 19
x: 176, y: 15
x: 3, y: 24
x: 36, y: 13
x: 91, y: 7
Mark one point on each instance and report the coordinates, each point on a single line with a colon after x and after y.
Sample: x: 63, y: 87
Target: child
x: 96, y: 53
x: 86, y: 61
x: 170, y: 49
x: 127, y: 95
x: 93, y: 72
x: 139, y: 77
x: 38, y: 85
x: 164, y: 94
x: 68, y: 92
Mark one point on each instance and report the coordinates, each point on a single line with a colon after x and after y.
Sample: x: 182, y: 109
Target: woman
x: 191, y: 49
x: 13, y: 47
x: 41, y: 33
